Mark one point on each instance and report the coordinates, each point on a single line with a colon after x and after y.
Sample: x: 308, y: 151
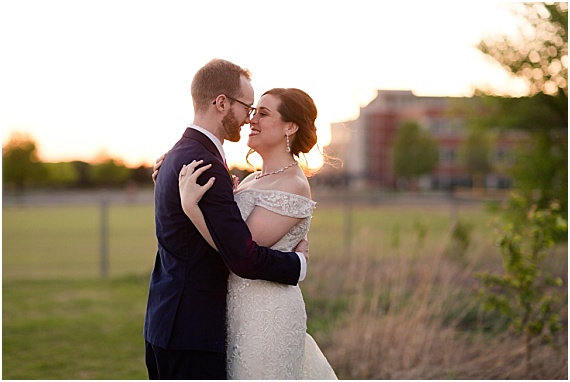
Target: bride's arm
x: 268, y: 227
x: 191, y: 193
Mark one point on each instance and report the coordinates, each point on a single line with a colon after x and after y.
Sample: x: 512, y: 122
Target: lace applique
x: 285, y: 203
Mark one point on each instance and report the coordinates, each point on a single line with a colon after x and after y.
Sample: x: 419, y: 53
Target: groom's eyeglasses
x: 250, y: 109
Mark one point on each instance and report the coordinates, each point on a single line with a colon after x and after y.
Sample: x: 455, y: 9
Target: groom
x: 184, y: 327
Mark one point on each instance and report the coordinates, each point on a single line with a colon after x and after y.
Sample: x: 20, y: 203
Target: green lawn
x: 61, y: 319
x: 73, y: 329
x: 58, y: 242
x: 64, y: 241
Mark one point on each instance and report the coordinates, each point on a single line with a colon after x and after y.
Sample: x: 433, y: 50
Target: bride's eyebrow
x: 263, y: 108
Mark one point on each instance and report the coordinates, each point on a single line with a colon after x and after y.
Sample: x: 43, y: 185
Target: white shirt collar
x: 212, y: 137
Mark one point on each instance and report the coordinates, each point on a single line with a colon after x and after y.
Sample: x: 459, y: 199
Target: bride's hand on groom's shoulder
x: 190, y: 191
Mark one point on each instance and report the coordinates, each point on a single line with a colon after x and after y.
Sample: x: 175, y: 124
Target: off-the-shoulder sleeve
x: 285, y: 203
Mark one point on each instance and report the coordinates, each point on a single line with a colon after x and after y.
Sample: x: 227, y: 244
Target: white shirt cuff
x: 303, y: 266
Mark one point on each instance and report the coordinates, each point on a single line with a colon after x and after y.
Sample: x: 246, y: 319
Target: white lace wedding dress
x: 266, y: 321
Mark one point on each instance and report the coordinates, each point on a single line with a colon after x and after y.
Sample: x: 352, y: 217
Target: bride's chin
x: 251, y: 142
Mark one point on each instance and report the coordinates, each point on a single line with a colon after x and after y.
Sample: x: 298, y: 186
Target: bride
x: 266, y: 321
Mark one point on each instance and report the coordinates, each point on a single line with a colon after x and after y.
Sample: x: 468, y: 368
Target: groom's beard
x: 231, y: 127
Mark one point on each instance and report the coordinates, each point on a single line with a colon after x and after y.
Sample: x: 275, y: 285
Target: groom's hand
x: 303, y: 247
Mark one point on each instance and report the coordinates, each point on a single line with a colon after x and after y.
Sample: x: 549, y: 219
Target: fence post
x: 347, y: 223
x: 104, y: 235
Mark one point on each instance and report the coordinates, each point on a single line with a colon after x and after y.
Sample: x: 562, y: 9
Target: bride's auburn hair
x: 298, y: 107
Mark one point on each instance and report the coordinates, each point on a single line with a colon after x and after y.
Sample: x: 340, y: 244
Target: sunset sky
x: 88, y: 79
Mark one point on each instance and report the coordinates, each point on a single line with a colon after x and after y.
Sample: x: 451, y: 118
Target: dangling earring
x: 288, y: 147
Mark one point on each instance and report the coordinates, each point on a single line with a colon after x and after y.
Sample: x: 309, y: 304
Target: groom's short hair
x: 216, y: 77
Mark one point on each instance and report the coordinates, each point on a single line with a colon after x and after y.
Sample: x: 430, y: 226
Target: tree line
x: 22, y: 169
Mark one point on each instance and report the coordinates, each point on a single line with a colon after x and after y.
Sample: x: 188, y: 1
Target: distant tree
x: 60, y: 175
x: 109, y: 173
x: 539, y: 56
x: 142, y: 175
x: 415, y: 151
x: 475, y: 155
x: 20, y: 164
x: 83, y: 171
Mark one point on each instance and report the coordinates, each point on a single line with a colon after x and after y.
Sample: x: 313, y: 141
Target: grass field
x: 386, y: 299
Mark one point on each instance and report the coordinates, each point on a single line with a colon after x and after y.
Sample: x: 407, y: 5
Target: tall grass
x: 386, y: 296
x: 409, y: 307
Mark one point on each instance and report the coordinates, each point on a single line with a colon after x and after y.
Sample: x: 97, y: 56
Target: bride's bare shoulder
x: 294, y: 183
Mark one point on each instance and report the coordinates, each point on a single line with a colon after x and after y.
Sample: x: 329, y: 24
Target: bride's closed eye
x: 262, y: 111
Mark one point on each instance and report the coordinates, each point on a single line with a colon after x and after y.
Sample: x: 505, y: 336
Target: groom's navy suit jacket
x: 186, y: 307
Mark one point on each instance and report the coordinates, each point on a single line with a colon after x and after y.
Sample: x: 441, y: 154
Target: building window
x: 503, y: 155
x: 447, y: 155
x: 436, y: 125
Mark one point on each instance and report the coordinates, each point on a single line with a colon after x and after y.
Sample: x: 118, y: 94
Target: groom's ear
x: 219, y: 102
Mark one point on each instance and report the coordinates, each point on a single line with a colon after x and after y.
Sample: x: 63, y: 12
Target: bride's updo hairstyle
x: 298, y: 107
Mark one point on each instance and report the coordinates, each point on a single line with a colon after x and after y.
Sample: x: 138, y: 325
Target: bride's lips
x: 254, y: 132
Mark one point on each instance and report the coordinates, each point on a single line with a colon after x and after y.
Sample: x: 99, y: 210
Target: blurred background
x: 439, y: 244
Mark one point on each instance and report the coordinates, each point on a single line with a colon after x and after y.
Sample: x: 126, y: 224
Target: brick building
x: 366, y: 144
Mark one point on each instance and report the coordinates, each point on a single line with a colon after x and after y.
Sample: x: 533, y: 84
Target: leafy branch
x: 524, y: 293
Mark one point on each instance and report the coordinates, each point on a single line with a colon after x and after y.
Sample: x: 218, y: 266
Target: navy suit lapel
x: 204, y: 140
